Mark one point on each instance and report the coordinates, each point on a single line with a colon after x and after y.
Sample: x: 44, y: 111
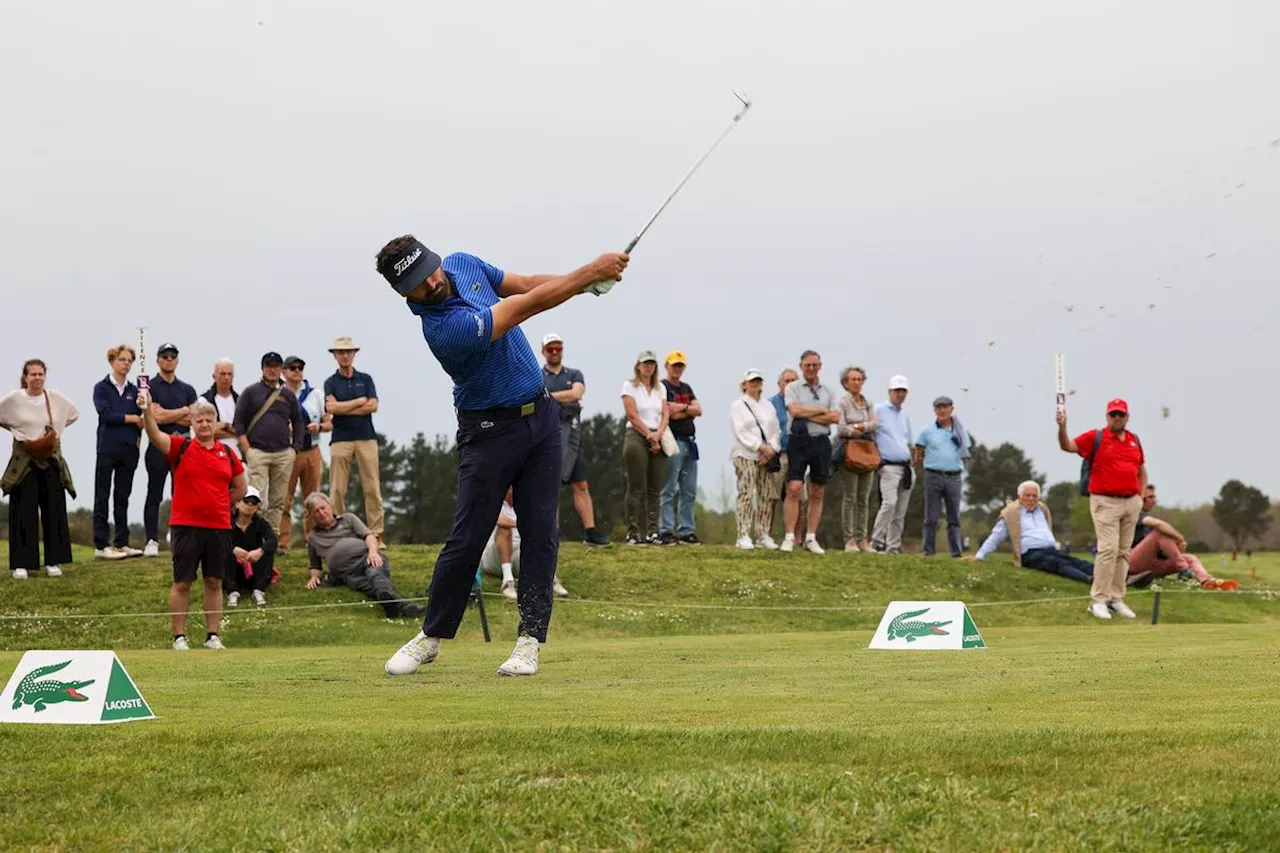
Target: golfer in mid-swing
x: 508, y: 428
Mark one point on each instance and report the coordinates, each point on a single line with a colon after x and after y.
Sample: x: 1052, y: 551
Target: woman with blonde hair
x: 857, y: 423
x: 37, y: 479
x: 642, y: 455
x: 757, y: 443
x: 119, y: 437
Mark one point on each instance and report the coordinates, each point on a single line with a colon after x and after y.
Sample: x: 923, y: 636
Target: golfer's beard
x: 442, y: 293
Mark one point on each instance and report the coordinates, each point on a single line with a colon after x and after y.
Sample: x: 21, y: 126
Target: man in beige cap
x: 351, y: 397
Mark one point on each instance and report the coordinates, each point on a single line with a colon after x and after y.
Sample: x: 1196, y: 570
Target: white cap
x: 752, y: 373
x: 551, y: 338
x: 899, y: 381
x: 251, y: 492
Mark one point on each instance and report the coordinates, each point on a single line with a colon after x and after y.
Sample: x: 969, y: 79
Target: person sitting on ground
x: 1159, y: 550
x: 502, y: 553
x: 253, y: 552
x: 351, y: 552
x: 1028, y: 525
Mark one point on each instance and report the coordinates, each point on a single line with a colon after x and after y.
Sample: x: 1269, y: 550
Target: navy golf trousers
x: 494, y: 453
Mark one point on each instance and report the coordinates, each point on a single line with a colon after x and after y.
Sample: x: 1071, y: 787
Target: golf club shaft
x: 736, y: 118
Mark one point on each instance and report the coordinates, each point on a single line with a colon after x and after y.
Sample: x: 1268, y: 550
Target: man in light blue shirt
x: 1029, y: 525
x: 946, y: 448
x: 893, y: 440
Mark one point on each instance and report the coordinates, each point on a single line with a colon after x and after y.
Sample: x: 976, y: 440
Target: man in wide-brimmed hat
x: 352, y: 398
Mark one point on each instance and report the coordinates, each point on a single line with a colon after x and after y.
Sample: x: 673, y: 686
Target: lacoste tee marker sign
x: 71, y: 687
x: 927, y: 625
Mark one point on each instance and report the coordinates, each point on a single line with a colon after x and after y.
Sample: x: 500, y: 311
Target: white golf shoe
x: 523, y: 660
x: 1122, y: 609
x: 413, y: 654
x: 744, y: 543
x: 1099, y: 611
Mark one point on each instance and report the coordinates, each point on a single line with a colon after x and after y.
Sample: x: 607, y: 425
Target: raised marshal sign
x: 84, y: 687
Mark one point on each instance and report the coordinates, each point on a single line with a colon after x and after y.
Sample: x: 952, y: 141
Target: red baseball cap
x: 1117, y: 405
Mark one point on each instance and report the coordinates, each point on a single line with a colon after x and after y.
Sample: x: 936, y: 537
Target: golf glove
x: 600, y: 288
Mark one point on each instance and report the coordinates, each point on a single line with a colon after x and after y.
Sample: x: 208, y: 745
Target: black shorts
x: 579, y: 472
x: 812, y: 453
x: 199, y: 548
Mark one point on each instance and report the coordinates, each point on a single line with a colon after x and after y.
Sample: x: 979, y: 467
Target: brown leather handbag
x: 44, y: 446
x: 861, y: 454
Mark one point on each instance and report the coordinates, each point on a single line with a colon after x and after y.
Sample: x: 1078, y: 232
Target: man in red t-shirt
x: 207, y: 481
x: 1117, y: 479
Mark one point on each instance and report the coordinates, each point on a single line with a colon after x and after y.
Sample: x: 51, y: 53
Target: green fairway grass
x: 666, y: 716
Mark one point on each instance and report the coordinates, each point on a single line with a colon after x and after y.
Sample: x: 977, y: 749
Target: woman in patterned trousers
x: 757, y: 440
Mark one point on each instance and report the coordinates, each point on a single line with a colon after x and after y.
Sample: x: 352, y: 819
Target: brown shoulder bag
x: 44, y: 446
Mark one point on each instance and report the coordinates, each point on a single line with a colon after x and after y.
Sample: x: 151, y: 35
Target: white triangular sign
x: 927, y: 625
x: 84, y: 687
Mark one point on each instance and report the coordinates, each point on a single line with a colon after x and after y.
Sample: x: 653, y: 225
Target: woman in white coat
x: 757, y: 441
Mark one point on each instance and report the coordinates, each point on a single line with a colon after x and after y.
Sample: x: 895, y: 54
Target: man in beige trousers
x: 352, y: 398
x: 1117, y: 479
x: 269, y: 430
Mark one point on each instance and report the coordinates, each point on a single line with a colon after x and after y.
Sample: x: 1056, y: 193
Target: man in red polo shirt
x: 1117, y: 479
x: 207, y: 480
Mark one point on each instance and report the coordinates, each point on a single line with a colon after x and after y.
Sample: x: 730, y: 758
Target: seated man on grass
x: 351, y: 552
x: 502, y: 553
x: 1159, y: 550
x: 1028, y: 525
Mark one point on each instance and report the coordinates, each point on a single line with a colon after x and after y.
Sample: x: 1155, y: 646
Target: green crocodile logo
x: 41, y: 694
x: 901, y: 629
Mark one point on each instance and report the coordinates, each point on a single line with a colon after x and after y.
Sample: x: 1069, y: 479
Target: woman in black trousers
x: 253, y: 554
x: 37, y: 479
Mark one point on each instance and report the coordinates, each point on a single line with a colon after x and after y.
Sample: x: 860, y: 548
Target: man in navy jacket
x: 119, y: 436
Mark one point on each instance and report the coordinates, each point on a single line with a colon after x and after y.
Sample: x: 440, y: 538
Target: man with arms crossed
x: 567, y: 387
x: 508, y: 428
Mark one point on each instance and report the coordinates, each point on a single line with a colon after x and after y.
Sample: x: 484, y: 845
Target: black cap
x: 272, y: 358
x: 293, y: 359
x: 410, y: 268
x: 164, y: 348
x: 942, y: 401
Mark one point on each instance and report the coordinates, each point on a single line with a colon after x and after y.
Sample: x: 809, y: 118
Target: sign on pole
x: 927, y: 625
x: 1060, y: 380
x: 84, y: 687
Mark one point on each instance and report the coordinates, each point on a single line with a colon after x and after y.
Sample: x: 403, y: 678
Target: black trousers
x: 38, y: 504
x: 942, y: 490
x: 524, y: 453
x: 157, y: 472
x: 233, y: 579
x: 1057, y: 562
x: 113, y: 469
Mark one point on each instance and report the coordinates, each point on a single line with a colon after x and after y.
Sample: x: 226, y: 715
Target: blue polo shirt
x: 172, y: 395
x: 486, y: 374
x: 345, y: 389
x: 940, y: 450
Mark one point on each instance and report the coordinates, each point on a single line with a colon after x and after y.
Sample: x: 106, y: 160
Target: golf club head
x: 746, y: 103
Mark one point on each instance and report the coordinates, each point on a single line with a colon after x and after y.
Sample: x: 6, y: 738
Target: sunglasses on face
x: 294, y: 367
x: 1117, y: 414
x: 252, y: 501
x: 555, y: 350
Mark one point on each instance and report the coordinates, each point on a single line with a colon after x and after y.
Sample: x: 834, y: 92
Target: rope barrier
x: 654, y: 605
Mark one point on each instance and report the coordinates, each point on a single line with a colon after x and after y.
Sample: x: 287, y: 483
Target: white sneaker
x: 233, y: 599
x: 214, y: 642
x: 259, y: 598
x: 180, y: 644
x: 19, y: 574
x: 53, y: 571
x: 509, y: 590
x: 767, y: 543
x: 1123, y: 609
x: 744, y: 543
x: 788, y: 542
x: 108, y: 553
x: 1100, y: 611
x: 811, y: 545
x: 126, y: 551
x: 413, y: 654
x: 558, y: 588
x: 152, y: 549
x: 523, y: 660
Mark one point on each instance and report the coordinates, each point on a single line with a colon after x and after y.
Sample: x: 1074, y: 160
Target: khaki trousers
x: 306, y: 470
x: 269, y: 474
x: 1114, y: 520
x: 366, y: 456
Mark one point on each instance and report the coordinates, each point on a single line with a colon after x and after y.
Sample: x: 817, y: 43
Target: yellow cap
x: 676, y: 357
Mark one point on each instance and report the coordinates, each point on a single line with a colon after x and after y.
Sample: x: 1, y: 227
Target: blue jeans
x: 523, y: 453
x: 682, y: 477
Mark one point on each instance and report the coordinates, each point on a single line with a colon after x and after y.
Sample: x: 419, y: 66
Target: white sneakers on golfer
x: 523, y: 660
x: 152, y: 549
x: 413, y: 654
x: 744, y: 543
x: 1099, y: 611
x: 423, y: 649
x: 1122, y: 609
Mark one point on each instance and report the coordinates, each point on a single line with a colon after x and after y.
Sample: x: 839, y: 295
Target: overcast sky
x: 924, y: 188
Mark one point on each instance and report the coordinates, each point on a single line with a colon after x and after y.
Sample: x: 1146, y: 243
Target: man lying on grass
x: 1029, y: 526
x: 351, y: 552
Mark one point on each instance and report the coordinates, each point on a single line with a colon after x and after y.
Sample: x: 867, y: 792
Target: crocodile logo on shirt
x: 900, y: 628
x: 31, y: 691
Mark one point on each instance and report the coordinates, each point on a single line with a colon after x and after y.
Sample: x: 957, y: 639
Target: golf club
x: 746, y: 105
